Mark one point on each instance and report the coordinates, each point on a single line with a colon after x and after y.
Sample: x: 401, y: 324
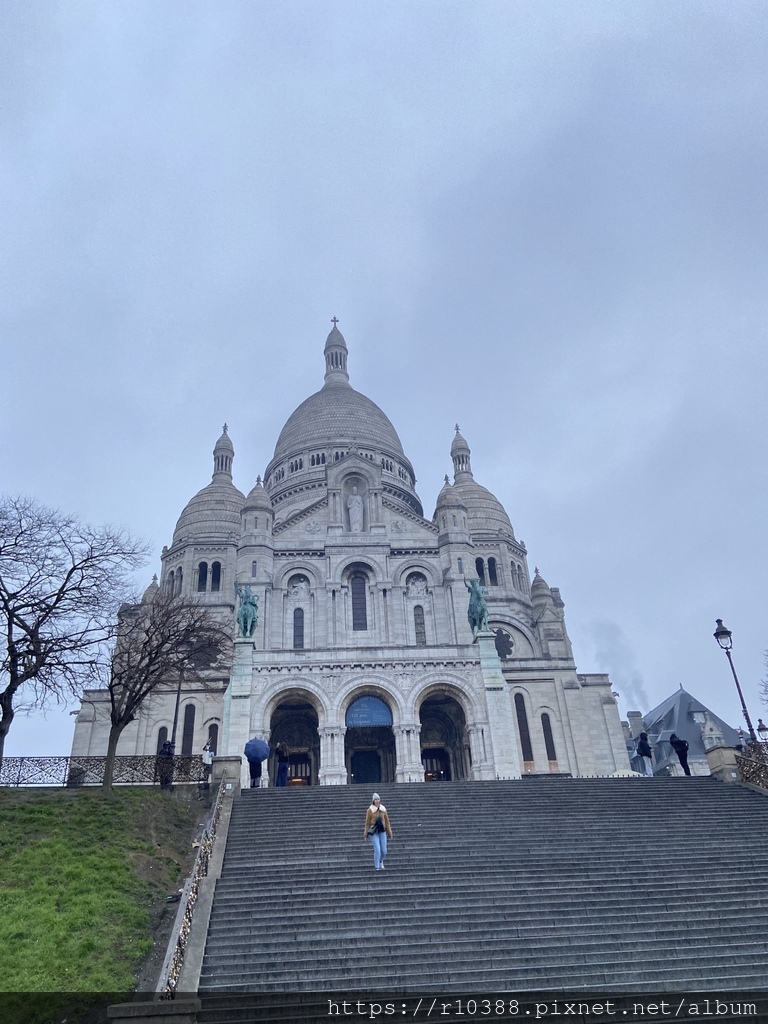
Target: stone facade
x: 363, y: 661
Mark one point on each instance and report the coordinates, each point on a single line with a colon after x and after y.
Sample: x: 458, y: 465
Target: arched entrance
x: 369, y: 744
x: 445, y: 750
x: 294, y: 723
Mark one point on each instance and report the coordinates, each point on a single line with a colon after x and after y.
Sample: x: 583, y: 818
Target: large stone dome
x: 329, y: 425
x: 337, y: 415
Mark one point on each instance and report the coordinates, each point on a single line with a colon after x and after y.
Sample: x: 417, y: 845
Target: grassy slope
x: 80, y: 873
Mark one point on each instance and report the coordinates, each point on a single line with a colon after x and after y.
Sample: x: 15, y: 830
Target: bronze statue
x: 248, y: 612
x: 477, y: 613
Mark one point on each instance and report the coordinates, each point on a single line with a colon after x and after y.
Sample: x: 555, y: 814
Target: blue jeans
x: 379, y: 843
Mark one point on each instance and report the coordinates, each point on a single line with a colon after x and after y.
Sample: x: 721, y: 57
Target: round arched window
x: 368, y: 710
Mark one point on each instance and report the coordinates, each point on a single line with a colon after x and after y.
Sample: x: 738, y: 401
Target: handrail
x: 85, y: 770
x: 182, y: 926
x: 753, y: 765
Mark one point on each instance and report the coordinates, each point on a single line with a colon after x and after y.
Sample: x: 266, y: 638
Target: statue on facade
x: 477, y: 612
x: 355, y: 509
x: 416, y: 586
x: 248, y: 612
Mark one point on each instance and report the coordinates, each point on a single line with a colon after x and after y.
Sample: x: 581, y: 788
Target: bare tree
x: 61, y: 582
x: 159, y: 641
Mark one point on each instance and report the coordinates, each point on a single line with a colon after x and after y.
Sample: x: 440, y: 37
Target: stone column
x: 408, y: 752
x: 501, y: 719
x: 237, y: 705
x: 335, y: 513
x: 482, y: 752
x: 333, y: 771
x: 383, y: 613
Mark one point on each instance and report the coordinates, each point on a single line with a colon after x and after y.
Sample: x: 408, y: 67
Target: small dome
x: 257, y: 499
x: 540, y: 591
x: 484, y: 510
x: 213, y: 513
x: 449, y: 497
x: 225, y: 442
x: 149, y: 594
x: 459, y: 443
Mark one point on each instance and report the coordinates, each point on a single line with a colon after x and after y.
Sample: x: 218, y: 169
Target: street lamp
x: 724, y: 638
x: 176, y: 709
x: 762, y: 730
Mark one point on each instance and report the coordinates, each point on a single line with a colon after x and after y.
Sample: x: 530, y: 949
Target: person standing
x: 254, y: 769
x: 207, y: 761
x: 165, y: 765
x: 644, y: 750
x: 378, y: 830
x: 283, y: 759
x: 680, y: 747
x: 256, y: 751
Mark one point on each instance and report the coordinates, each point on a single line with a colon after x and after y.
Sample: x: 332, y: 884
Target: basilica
x: 356, y: 651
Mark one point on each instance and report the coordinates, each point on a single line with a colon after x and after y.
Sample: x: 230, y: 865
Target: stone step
x: 590, y: 950
x: 563, y: 898
x: 622, y: 926
x: 507, y: 973
x: 580, y: 901
x: 468, y: 875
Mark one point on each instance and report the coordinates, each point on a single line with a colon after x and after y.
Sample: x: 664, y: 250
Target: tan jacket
x: 370, y: 816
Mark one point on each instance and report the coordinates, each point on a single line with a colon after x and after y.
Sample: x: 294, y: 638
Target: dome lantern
x: 223, y: 454
x: 336, y: 356
x: 462, y: 468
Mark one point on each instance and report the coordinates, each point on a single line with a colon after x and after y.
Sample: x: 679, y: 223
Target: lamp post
x: 724, y: 638
x: 762, y: 730
x: 176, y: 710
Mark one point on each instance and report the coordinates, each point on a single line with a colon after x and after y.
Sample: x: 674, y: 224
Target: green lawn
x: 80, y: 876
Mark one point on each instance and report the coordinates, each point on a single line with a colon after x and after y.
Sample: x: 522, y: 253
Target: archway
x: 445, y: 750
x: 294, y: 723
x: 369, y: 744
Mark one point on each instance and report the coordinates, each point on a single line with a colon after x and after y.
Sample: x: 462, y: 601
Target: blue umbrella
x: 257, y: 750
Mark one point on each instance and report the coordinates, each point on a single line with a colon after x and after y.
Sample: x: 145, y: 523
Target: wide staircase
x: 546, y: 885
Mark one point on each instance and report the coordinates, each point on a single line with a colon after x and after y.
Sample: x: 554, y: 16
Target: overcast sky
x: 544, y: 221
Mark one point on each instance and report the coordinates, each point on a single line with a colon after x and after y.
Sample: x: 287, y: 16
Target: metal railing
x: 137, y: 770
x: 753, y: 765
x: 177, y: 946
